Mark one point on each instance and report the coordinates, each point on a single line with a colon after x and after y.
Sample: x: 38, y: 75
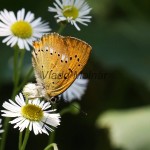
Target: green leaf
x: 129, y: 129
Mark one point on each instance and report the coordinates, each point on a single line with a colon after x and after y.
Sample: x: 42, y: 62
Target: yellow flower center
x: 32, y: 112
x: 70, y: 11
x: 22, y: 29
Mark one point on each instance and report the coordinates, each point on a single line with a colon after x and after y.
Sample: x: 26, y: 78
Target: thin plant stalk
x: 53, y: 145
x: 20, y: 140
x: 26, y: 137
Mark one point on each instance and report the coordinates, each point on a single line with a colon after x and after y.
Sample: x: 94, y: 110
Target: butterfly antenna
x: 83, y: 112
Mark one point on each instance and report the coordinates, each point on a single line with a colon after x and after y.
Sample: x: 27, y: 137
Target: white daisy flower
x: 76, y: 90
x: 32, y: 91
x: 21, y: 29
x: 34, y: 115
x: 72, y: 11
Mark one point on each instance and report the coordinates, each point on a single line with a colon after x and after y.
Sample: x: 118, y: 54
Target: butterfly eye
x: 53, y: 99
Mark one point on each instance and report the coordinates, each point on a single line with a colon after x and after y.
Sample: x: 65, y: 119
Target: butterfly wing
x: 77, y: 55
x: 57, y: 61
x: 47, y: 60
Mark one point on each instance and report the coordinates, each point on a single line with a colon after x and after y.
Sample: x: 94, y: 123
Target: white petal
x: 52, y: 119
x: 59, y: 3
x: 20, y: 43
x: 22, y: 14
x: 7, y: 39
x: 14, y: 41
x: 29, y: 17
x: 18, y: 119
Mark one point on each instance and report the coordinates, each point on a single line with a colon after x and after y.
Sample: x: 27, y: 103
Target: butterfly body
x: 57, y: 60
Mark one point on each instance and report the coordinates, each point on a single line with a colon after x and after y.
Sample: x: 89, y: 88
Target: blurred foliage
x: 119, y: 34
x: 128, y: 128
x: 121, y: 38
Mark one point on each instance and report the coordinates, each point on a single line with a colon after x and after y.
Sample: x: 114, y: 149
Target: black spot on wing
x: 70, y: 70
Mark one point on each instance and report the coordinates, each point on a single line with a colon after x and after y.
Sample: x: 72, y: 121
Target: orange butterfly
x: 57, y: 60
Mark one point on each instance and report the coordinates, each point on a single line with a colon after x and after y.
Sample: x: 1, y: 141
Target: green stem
x: 61, y: 28
x: 20, y: 140
x: 4, y: 135
x: 22, y: 52
x: 15, y: 72
x: 15, y: 76
x: 52, y: 137
x: 26, y: 137
x: 51, y: 145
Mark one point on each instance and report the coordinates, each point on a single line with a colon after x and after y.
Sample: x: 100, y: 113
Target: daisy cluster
x: 36, y: 114
x: 21, y: 30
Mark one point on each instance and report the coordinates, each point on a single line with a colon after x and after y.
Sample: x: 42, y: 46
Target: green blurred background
x: 120, y: 36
